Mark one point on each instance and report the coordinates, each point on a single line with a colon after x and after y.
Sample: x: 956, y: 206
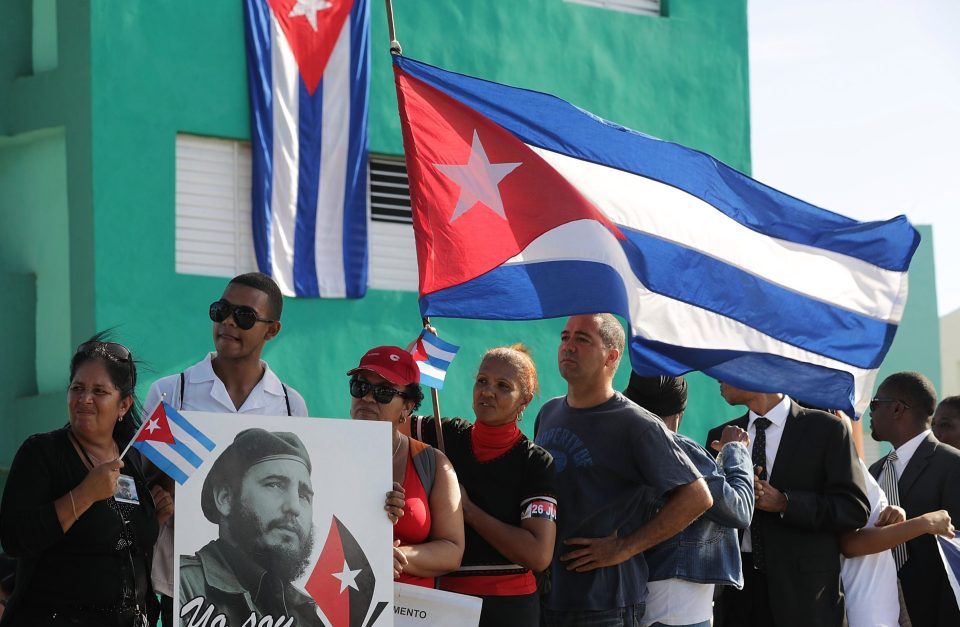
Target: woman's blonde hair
x: 519, y: 356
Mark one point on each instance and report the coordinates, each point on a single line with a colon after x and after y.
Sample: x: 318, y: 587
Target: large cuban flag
x: 528, y: 207
x: 308, y: 66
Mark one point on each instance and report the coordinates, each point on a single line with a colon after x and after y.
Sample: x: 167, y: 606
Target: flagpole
x: 394, y: 44
x: 435, y: 396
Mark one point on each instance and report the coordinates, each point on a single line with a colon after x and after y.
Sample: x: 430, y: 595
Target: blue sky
x: 856, y: 108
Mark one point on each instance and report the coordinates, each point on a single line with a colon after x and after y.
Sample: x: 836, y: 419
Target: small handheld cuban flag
x: 433, y: 357
x: 172, y: 443
x: 950, y: 554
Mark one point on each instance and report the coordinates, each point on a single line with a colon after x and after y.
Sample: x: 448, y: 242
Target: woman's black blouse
x: 102, y: 562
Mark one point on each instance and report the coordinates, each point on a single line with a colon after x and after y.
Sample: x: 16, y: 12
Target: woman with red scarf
x: 507, y: 483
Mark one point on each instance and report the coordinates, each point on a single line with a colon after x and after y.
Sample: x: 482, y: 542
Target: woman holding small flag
x: 507, y: 482
x: 84, y: 548
x: 425, y: 502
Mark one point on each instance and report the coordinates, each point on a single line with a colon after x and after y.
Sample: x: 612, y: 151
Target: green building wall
x: 163, y: 68
x: 87, y: 151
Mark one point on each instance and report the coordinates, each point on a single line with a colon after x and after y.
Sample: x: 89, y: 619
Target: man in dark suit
x: 926, y: 478
x: 808, y: 487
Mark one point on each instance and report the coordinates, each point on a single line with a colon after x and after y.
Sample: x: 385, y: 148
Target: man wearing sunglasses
x: 232, y: 379
x: 921, y: 475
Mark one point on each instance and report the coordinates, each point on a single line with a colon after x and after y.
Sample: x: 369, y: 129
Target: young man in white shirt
x: 233, y: 379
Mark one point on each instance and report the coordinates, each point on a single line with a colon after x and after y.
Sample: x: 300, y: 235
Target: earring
x: 120, y: 419
x: 402, y: 420
x: 520, y: 416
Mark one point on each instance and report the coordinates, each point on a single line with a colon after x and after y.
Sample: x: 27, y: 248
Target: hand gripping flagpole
x: 435, y: 396
x: 394, y: 44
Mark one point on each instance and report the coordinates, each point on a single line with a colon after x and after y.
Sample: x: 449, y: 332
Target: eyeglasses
x: 112, y: 351
x: 118, y: 352
x: 244, y: 316
x: 877, y: 400
x: 383, y: 394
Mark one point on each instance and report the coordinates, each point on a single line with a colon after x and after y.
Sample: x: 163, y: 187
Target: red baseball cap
x: 390, y: 362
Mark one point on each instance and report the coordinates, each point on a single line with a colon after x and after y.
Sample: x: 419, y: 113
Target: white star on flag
x: 347, y: 577
x: 309, y: 8
x: 153, y: 425
x: 478, y: 180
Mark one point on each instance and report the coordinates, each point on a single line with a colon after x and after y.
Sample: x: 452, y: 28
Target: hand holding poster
x: 286, y: 526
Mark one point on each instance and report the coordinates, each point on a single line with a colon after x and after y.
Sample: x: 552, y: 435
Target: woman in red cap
x: 425, y: 503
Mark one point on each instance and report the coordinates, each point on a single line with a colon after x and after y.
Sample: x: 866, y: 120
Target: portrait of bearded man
x: 260, y: 495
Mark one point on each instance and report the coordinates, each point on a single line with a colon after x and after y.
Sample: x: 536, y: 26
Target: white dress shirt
x: 870, y: 581
x: 778, y: 420
x: 906, y: 451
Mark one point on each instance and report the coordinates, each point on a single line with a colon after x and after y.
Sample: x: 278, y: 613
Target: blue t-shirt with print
x: 604, y: 457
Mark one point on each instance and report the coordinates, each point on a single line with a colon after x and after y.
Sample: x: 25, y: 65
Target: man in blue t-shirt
x: 605, y: 448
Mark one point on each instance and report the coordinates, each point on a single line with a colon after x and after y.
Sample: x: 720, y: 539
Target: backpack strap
x: 425, y: 463
x: 182, y: 385
x: 286, y: 397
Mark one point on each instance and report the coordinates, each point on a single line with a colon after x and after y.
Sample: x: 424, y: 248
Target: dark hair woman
x: 424, y: 504
x: 507, y: 482
x: 84, y: 555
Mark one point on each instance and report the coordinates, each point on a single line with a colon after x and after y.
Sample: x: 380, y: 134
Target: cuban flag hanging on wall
x: 308, y: 67
x: 527, y: 207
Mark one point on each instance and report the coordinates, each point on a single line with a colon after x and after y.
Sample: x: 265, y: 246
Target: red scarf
x: 490, y: 442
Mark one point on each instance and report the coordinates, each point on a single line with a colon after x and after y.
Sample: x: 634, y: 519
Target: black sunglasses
x: 383, y: 394
x: 244, y: 316
x: 876, y: 401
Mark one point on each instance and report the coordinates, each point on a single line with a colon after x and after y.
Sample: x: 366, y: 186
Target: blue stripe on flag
x: 548, y: 122
x: 310, y: 135
x: 161, y: 462
x: 185, y: 424
x: 557, y: 288
x: 821, y: 386
x: 355, y: 186
x: 259, y: 74
x: 430, y: 338
x: 950, y: 551
x: 186, y: 453
x: 431, y: 382
x: 436, y: 362
x: 854, y: 339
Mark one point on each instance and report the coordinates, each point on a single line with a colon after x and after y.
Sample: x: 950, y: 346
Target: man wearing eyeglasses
x: 232, y: 379
x: 920, y: 475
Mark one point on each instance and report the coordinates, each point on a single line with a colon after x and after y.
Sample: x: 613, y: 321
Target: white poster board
x: 349, y: 570
x: 416, y: 606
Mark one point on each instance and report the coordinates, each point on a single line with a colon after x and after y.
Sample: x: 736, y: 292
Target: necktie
x: 888, y: 481
x: 759, y: 459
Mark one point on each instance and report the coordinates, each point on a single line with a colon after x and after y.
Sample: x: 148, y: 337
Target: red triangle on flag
x: 157, y: 428
x: 419, y: 352
x: 312, y: 28
x: 342, y: 581
x: 458, y: 241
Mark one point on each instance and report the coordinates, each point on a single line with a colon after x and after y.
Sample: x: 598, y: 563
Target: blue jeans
x: 705, y: 623
x: 629, y: 616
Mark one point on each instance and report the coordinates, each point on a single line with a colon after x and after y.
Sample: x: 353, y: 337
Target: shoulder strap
x: 425, y: 463
x: 286, y: 397
x: 182, y: 385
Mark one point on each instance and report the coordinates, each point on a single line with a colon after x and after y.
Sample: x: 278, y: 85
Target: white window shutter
x: 214, y: 235
x: 213, y: 232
